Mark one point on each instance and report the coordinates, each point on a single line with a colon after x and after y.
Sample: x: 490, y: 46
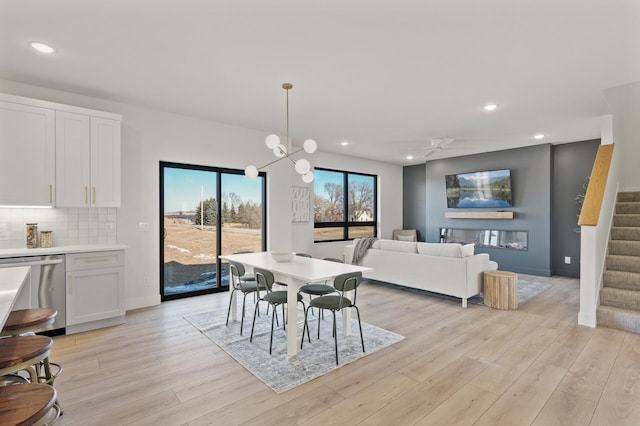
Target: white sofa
x: 451, y: 269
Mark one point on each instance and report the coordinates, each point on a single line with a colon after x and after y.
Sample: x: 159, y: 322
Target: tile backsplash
x: 69, y: 226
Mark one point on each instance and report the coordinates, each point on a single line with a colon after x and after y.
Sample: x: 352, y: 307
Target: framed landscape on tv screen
x: 491, y: 189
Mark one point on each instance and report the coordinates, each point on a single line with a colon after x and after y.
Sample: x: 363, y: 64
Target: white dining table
x: 296, y: 273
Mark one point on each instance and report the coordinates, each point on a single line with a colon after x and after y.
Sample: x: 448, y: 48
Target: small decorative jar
x: 32, y: 235
x: 45, y: 239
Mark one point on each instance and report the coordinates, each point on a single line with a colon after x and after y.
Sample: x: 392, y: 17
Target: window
x: 341, y: 215
x: 206, y: 211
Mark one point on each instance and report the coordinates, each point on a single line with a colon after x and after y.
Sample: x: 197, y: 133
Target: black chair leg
x: 305, y: 327
x: 335, y: 335
x: 273, y: 316
x: 254, y: 321
x: 244, y: 300
x: 360, y: 325
x: 229, y: 310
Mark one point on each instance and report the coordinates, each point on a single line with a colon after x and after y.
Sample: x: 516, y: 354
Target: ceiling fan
x: 438, y: 144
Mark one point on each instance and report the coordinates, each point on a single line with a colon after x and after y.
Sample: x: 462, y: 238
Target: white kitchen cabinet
x: 87, y: 161
x: 27, y: 154
x: 95, y: 290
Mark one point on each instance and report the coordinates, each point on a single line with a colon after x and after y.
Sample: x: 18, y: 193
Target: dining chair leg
x: 244, y: 301
x: 230, y: 300
x: 305, y: 327
x: 273, y: 315
x: 253, y: 325
x: 360, y: 325
x: 335, y: 335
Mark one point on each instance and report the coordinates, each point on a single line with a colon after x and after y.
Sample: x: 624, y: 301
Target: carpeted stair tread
x: 626, y: 220
x: 621, y: 279
x: 620, y: 298
x: 624, y: 248
x: 621, y: 319
x: 625, y: 233
x: 628, y: 208
x: 623, y: 263
x: 629, y: 197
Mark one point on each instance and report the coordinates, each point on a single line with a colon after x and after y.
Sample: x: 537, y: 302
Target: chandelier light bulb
x: 251, y: 172
x: 272, y: 141
x: 302, y: 166
x: 280, y: 151
x: 310, y: 146
x: 307, y: 177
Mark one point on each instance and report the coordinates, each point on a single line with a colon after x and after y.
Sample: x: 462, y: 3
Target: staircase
x: 620, y: 294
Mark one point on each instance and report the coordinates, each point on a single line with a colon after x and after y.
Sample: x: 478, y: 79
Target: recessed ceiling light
x: 490, y: 107
x: 344, y: 143
x: 539, y: 136
x: 409, y: 157
x: 42, y: 48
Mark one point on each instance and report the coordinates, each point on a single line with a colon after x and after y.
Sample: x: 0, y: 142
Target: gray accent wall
x: 572, y: 163
x: 414, y: 196
x: 544, y: 179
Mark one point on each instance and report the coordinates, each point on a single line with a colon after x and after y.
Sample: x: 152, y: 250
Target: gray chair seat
x: 278, y: 297
x: 331, y: 302
x: 317, y: 289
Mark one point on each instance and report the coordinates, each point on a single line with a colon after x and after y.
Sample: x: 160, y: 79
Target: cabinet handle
x: 86, y: 195
x: 51, y: 193
x: 96, y: 260
x: 69, y: 285
x: 94, y: 195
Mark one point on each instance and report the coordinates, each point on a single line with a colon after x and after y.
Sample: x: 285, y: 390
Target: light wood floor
x: 468, y: 366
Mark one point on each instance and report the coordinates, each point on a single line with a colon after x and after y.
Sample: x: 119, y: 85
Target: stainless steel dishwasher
x: 45, y: 288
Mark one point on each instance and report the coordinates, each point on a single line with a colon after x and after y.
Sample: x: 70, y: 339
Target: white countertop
x: 18, y: 252
x: 11, y: 281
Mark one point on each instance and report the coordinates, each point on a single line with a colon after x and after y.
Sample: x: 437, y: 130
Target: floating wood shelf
x: 479, y: 215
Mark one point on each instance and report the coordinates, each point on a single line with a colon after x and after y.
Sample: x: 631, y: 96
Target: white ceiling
x: 387, y: 76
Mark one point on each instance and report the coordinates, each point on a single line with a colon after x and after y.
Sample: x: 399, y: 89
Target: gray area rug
x: 279, y: 371
x: 527, y: 290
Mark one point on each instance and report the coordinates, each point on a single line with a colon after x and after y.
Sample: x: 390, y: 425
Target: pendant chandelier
x: 282, y: 151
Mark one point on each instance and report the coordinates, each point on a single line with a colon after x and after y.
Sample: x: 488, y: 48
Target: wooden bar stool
x: 30, y: 354
x: 28, y: 404
x: 28, y: 321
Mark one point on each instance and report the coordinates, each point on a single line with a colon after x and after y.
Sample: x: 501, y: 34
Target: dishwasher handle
x: 31, y: 263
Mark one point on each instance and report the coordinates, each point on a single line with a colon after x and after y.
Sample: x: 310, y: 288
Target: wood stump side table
x: 501, y: 289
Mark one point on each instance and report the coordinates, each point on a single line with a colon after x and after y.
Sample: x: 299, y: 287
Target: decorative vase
x: 32, y: 235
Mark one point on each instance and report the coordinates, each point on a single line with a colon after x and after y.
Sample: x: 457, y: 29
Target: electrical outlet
x: 567, y: 260
x: 109, y: 227
x: 146, y: 282
x: 143, y: 226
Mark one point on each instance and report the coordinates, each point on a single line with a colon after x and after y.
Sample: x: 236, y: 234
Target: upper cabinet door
x: 105, y: 162
x: 27, y: 155
x: 73, y: 160
x: 87, y: 161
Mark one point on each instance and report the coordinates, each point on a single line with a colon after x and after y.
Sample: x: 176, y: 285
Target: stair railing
x: 595, y: 221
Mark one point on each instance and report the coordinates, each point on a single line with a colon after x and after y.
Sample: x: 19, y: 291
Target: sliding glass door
x: 206, y: 211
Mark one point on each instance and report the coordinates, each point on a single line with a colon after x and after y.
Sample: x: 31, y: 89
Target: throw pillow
x: 440, y: 249
x: 468, y: 250
x: 405, y: 238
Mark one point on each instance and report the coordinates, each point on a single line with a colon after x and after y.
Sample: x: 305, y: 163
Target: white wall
x: 624, y: 104
x: 150, y: 136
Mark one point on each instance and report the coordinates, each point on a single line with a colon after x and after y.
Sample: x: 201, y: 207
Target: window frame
x: 345, y: 224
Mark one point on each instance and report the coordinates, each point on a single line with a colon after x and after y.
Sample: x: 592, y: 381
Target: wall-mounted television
x: 490, y: 189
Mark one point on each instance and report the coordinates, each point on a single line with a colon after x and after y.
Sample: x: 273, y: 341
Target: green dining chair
x: 336, y: 302
x: 275, y: 298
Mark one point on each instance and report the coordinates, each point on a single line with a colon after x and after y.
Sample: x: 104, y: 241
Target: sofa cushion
x: 468, y: 250
x: 401, y: 246
x: 440, y: 249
